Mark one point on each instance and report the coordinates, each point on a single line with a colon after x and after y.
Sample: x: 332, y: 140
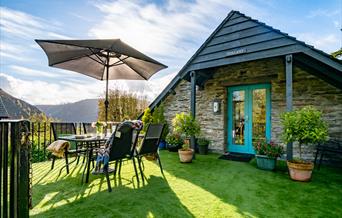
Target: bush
x: 269, y: 149
x: 174, y: 140
x: 203, y: 141
x: 186, y: 125
x: 158, y: 117
x: 305, y: 126
x: 146, y: 118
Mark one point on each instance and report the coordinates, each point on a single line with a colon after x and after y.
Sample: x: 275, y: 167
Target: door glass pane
x: 259, y: 115
x: 238, y: 117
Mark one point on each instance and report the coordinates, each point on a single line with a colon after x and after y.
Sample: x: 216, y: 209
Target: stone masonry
x: 307, y: 90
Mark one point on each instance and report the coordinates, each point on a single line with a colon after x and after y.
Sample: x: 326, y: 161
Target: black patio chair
x: 150, y: 145
x: 63, y: 129
x: 122, y: 148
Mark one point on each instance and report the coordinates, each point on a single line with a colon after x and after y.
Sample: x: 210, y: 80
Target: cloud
x: 14, y: 51
x: 172, y: 30
x: 37, y: 91
x: 323, y: 13
x: 18, y: 29
x: 327, y: 43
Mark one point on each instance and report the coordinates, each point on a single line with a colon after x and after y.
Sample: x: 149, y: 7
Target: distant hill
x: 81, y: 111
x: 16, y: 108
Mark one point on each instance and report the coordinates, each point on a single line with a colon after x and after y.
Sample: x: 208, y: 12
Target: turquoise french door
x: 249, y: 116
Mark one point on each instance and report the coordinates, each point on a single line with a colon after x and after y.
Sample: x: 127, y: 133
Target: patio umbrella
x: 102, y: 59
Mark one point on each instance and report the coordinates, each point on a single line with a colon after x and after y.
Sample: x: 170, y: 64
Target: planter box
x: 265, y: 163
x: 203, y: 149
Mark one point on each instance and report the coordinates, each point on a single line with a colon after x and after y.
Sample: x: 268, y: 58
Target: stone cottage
x: 244, y: 76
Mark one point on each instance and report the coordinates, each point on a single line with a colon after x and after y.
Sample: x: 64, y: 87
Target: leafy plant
x: 146, y: 118
x: 174, y: 139
x: 270, y: 149
x: 203, y: 141
x: 305, y: 126
x: 158, y: 117
x: 186, y: 125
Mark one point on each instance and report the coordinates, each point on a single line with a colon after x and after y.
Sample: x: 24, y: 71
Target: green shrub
x: 174, y: 139
x: 270, y: 149
x: 186, y: 125
x: 203, y: 141
x: 305, y: 126
x: 146, y: 119
x: 158, y: 117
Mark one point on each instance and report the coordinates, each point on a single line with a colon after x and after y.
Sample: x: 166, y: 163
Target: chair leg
x: 116, y: 167
x: 160, y: 164
x: 135, y: 169
x: 67, y: 163
x: 53, y: 162
x: 108, y: 181
x: 84, y: 160
x: 141, y: 171
x: 120, y: 163
x: 78, y: 159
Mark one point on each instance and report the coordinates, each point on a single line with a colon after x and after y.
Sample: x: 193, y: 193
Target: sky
x: 169, y: 31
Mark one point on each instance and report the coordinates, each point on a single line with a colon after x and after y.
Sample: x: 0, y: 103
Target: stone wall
x: 308, y: 90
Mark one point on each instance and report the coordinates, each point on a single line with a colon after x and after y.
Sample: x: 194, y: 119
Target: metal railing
x: 42, y: 136
x: 15, y: 168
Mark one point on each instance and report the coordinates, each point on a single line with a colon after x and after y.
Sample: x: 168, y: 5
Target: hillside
x: 81, y: 111
x: 16, y: 108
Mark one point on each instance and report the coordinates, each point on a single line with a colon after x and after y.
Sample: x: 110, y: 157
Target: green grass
x: 208, y: 187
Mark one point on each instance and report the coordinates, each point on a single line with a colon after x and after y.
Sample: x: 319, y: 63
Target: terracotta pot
x: 185, y: 156
x: 300, y: 171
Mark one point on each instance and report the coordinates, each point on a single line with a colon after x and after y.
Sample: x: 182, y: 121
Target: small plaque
x: 118, y: 134
x: 236, y: 52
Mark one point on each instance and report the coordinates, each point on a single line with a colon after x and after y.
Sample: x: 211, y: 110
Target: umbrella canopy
x: 109, y: 59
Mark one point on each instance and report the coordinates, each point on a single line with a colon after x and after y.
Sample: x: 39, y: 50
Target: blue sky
x: 170, y: 31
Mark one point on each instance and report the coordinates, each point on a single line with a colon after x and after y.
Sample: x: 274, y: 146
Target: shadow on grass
x: 66, y: 197
x: 255, y: 192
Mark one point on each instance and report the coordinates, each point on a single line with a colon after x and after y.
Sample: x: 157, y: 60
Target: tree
x: 337, y: 53
x: 122, y: 106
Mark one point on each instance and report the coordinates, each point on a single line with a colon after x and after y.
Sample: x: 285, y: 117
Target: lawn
x: 208, y: 187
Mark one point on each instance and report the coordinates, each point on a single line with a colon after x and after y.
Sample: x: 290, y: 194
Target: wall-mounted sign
x: 236, y: 52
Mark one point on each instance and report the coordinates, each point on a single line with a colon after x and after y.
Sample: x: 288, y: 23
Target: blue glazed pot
x: 265, y: 163
x: 162, y: 144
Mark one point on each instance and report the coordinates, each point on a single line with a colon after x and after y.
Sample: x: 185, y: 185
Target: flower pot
x: 162, y: 144
x: 203, y: 149
x: 185, y: 156
x: 265, y: 163
x: 300, y: 171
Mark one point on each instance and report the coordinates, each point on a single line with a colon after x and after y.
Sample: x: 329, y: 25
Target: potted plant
x: 99, y: 126
x: 304, y: 126
x: 266, y: 154
x: 186, y: 125
x: 203, y: 144
x: 173, y: 142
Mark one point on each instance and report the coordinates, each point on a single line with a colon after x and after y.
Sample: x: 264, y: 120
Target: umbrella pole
x: 106, y: 101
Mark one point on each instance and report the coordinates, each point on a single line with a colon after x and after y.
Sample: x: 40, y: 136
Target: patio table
x: 90, y: 142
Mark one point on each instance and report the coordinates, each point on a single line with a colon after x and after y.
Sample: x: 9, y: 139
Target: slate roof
x: 3, y: 111
x: 240, y: 38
